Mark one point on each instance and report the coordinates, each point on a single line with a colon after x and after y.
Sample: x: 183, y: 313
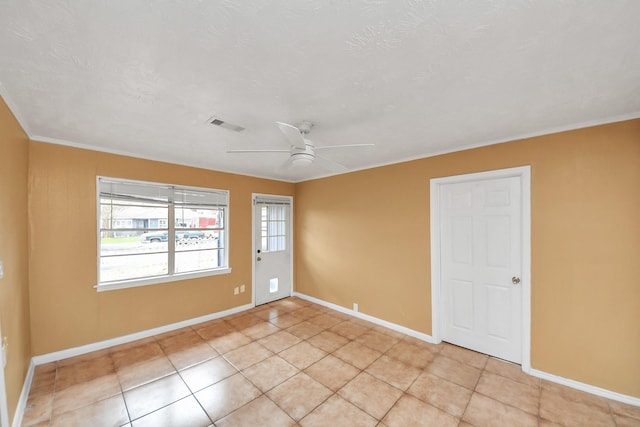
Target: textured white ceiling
x: 414, y: 77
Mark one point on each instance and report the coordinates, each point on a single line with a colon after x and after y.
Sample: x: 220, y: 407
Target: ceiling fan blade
x: 325, y: 147
x: 330, y: 165
x: 292, y: 133
x: 287, y: 165
x: 258, y: 151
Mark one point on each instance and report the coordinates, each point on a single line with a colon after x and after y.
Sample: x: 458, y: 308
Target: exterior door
x: 481, y: 264
x: 272, y: 248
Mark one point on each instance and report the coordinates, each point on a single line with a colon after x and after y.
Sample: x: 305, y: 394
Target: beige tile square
x: 270, y: 372
x: 144, y: 372
x: 328, y: 341
x: 433, y: 348
x: 111, y: 411
x: 370, y: 394
x: 411, y: 354
x: 559, y: 409
x: 180, y: 331
x: 95, y: 354
x: 299, y: 395
x: 361, y: 322
x: 325, y: 320
x: 357, y: 354
x: 390, y: 332
x: 308, y: 312
x: 377, y: 341
x: 127, y: 345
x: 511, y: 371
x: 507, y: 391
x: 289, y: 304
x: 188, y: 356
x: 279, y: 341
x: 302, y: 355
x: 83, y: 371
x: 126, y: 356
x: 469, y: 357
x: 349, y: 329
x: 85, y: 393
x: 226, y: 396
x: 183, y: 413
x: 260, y: 330
x: 207, y: 373
x: 174, y: 341
x: 38, y: 409
x: 454, y: 371
x: 150, y: 397
x: 229, y: 342
x: 338, y: 412
x: 304, y: 330
x: 574, y: 395
x: 393, y: 372
x: 269, y: 313
x: 441, y: 393
x: 286, y: 320
x: 259, y: 412
x: 624, y: 421
x: 243, y: 321
x: 332, y: 372
x: 245, y: 356
x: 483, y: 411
x: 217, y: 328
x: 409, y: 411
x: 43, y: 382
x: 620, y: 408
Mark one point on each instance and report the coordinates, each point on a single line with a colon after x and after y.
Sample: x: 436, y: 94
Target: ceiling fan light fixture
x: 301, y: 159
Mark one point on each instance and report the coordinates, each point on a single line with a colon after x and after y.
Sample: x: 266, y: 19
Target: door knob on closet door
x: 515, y: 280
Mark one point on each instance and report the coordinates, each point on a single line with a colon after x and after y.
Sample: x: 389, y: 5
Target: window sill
x: 112, y: 286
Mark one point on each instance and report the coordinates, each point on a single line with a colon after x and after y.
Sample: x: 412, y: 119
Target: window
x: 151, y: 233
x: 273, y: 228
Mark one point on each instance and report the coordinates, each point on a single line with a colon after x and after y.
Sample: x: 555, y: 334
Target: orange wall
x: 364, y: 237
x: 66, y: 310
x: 14, y: 287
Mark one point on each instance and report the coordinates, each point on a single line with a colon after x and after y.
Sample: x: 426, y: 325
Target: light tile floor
x: 292, y: 363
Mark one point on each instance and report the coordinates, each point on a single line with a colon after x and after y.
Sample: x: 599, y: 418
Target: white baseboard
x: 394, y: 326
x: 88, y: 348
x: 630, y: 400
x: 24, y: 396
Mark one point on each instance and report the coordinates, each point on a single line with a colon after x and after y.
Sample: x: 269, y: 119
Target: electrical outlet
x: 235, y: 291
x: 1, y: 269
x: 242, y: 288
x: 355, y: 307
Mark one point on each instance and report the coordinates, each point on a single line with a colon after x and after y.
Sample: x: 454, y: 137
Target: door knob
x: 515, y: 280
x: 258, y: 259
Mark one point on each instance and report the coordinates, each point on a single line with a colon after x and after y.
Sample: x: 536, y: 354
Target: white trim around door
x: 522, y: 172
x: 266, y: 199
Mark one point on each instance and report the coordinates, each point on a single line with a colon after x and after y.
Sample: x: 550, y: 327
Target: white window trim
x: 124, y: 284
x: 153, y: 280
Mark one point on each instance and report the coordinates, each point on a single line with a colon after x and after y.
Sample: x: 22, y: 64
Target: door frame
x: 253, y: 241
x: 522, y: 172
x: 4, y: 407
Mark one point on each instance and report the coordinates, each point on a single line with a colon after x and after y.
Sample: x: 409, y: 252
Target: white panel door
x: 272, y: 257
x: 481, y: 257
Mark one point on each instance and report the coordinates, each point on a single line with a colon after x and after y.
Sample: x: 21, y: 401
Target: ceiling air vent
x: 217, y: 122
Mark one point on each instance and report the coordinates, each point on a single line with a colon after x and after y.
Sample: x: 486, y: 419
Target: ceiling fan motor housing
x: 302, y: 156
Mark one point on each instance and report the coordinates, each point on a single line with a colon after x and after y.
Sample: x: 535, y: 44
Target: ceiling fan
x: 302, y: 151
